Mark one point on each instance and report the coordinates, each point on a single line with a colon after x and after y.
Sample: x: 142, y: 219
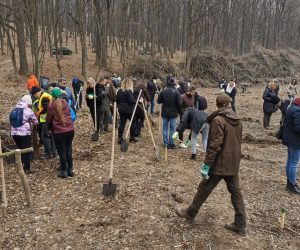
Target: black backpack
x: 16, y: 117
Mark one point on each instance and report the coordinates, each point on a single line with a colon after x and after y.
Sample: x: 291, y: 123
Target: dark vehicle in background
x: 61, y: 51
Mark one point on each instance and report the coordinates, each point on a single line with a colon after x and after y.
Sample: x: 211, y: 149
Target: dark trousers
x: 92, y: 111
x: 49, y: 145
x: 104, y: 119
x: 180, y: 134
x: 24, y: 142
x: 122, y: 123
x: 233, y: 104
x: 206, y: 187
x: 39, y: 131
x: 63, y: 142
x: 78, y: 95
x: 139, y: 120
x: 267, y: 118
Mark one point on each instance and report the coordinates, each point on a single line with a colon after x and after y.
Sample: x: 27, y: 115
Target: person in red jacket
x: 60, y: 123
x: 32, y: 81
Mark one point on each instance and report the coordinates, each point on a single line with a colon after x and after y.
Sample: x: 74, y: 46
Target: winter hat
x: 35, y: 89
x: 297, y: 101
x: 56, y: 92
x: 172, y: 81
x: 27, y: 99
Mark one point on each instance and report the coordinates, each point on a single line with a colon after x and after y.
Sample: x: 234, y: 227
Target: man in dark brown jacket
x: 223, y: 159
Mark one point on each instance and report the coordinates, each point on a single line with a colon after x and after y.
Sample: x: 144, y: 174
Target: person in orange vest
x: 32, y: 81
x: 44, y: 100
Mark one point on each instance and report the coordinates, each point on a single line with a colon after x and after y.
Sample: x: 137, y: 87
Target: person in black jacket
x: 90, y: 95
x: 291, y: 139
x: 126, y: 102
x: 77, y: 86
x: 195, y: 120
x: 139, y: 113
x: 271, y: 100
x: 171, y: 104
x: 151, y: 88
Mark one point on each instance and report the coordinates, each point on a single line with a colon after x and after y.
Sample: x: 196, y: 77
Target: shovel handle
x: 149, y: 127
x: 137, y: 101
x: 95, y: 109
x: 113, y: 143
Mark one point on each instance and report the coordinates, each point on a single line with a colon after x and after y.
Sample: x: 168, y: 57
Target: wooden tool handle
x: 149, y: 127
x: 4, y: 197
x: 137, y: 101
x: 113, y: 143
x: 95, y: 109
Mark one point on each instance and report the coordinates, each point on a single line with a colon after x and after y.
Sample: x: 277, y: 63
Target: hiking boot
x: 62, y: 174
x: 182, y: 145
x: 107, y: 130
x: 181, y: 212
x: 233, y: 228
x: 28, y: 171
x: 193, y: 157
x: 120, y: 141
x: 172, y: 146
x: 293, y: 188
x: 71, y: 173
x: 133, y: 140
x: 54, y: 155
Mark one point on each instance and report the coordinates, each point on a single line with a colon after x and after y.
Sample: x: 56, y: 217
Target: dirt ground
x: 73, y: 213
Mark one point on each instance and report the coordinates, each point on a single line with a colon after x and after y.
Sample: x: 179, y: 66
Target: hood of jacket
x: 228, y: 114
x: 22, y: 104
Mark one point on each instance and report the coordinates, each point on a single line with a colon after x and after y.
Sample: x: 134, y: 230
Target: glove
x: 90, y: 96
x: 175, y: 136
x: 187, y: 142
x: 204, y: 171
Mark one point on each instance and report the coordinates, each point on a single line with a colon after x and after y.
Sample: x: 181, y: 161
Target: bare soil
x: 73, y: 213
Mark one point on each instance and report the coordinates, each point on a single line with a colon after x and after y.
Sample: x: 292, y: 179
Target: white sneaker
x: 182, y: 145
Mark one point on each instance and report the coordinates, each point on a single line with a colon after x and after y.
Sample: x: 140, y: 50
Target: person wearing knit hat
x: 60, y: 121
x: 35, y: 90
x: 291, y: 139
x: 56, y: 92
x: 171, y: 105
x: 44, y: 100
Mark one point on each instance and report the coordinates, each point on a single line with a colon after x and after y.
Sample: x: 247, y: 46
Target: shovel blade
x: 157, y: 155
x: 95, y: 137
x: 124, y: 146
x: 109, y: 189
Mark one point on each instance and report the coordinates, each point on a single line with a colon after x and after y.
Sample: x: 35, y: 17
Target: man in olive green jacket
x: 223, y: 162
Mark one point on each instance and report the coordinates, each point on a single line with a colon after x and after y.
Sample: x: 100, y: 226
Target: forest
x: 208, y: 49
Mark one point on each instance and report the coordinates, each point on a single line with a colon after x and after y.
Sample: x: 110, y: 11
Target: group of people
x: 53, y: 112
x: 290, y: 126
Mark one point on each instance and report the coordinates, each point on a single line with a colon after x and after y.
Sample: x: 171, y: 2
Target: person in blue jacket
x: 291, y: 139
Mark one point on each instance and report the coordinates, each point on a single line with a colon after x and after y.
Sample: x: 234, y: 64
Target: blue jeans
x: 152, y: 106
x: 292, y: 164
x: 204, y: 132
x: 167, y: 135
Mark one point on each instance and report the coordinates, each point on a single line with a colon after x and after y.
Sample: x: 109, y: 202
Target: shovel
x: 95, y: 136
x: 77, y: 99
x: 157, y: 153
x: 124, y: 143
x: 110, y: 189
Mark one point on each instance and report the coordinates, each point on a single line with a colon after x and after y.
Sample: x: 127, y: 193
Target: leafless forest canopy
x: 154, y: 26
